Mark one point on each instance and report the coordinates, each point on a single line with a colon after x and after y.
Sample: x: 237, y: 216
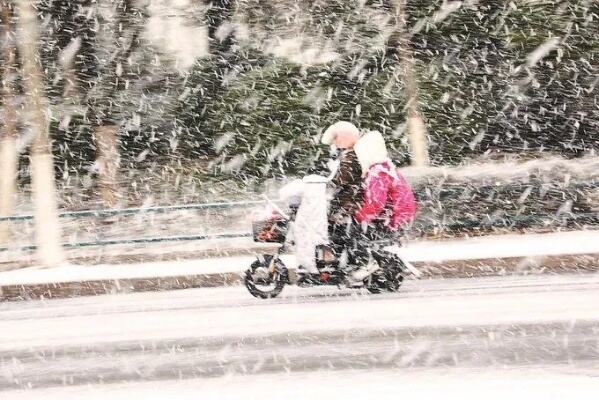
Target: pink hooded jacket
x: 387, y: 195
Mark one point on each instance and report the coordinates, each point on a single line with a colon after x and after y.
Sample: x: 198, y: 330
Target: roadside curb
x: 455, y: 269
x: 115, y: 286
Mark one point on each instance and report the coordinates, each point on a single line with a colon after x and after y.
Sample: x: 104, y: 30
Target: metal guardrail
x: 584, y: 218
x: 588, y: 218
x: 140, y: 210
x: 139, y: 241
x: 453, y: 225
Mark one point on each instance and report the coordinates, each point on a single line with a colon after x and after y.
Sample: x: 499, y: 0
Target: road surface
x: 527, y: 336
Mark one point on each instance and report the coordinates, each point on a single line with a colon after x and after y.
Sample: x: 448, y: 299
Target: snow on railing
x: 140, y: 210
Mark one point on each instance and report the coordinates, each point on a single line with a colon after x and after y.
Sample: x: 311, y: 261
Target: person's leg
x: 358, y: 250
x: 366, y: 241
x: 340, y: 236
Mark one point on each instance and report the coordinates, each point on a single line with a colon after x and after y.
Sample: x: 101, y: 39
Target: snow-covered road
x: 527, y: 330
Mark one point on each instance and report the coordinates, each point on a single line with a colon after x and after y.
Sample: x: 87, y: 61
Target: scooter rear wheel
x: 262, y: 283
x: 389, y: 278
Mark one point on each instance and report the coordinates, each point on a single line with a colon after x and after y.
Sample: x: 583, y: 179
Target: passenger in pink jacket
x: 383, y: 204
x: 388, y: 200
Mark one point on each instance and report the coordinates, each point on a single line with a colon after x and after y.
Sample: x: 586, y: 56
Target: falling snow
x: 140, y: 140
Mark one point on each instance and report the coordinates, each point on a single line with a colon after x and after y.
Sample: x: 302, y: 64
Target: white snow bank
x: 76, y: 273
x: 502, y: 246
x: 587, y: 167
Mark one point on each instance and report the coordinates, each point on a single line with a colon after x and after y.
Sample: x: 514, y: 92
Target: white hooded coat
x: 310, y: 228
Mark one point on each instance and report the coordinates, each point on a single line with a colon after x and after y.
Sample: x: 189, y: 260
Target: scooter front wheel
x: 266, y: 277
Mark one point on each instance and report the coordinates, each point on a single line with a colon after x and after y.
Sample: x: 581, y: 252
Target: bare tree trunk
x: 8, y: 135
x: 106, y: 138
x: 47, y: 227
x: 125, y: 39
x: 8, y: 187
x: 417, y: 135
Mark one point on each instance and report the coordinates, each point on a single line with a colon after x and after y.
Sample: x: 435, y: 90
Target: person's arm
x: 344, y: 174
x: 375, y: 198
x: 346, y: 185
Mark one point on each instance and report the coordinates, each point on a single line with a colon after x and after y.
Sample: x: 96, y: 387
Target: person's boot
x: 364, y: 272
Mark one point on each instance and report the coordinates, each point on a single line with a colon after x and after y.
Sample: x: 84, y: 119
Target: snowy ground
x: 534, y: 337
x: 462, y: 384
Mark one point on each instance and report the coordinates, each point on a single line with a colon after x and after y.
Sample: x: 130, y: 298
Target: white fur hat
x: 371, y: 149
x: 342, y: 126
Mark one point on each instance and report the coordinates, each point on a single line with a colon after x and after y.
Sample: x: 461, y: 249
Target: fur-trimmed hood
x: 371, y: 149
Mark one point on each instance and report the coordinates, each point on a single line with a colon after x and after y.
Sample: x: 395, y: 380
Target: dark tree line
x: 244, y: 110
